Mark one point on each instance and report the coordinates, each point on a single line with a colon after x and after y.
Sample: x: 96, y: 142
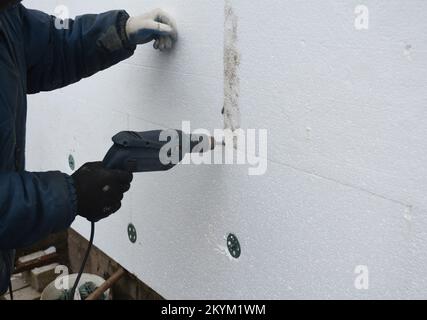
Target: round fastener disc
x: 71, y: 162
x: 233, y: 246
x: 132, y: 233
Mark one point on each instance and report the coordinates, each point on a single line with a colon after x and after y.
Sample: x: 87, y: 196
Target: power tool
x: 150, y: 151
x: 153, y: 151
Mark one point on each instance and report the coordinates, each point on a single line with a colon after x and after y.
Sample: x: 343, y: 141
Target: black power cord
x: 89, y: 247
x: 10, y: 290
x: 73, y: 290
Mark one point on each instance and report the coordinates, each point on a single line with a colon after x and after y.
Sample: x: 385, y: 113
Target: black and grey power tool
x: 149, y: 151
x: 146, y: 152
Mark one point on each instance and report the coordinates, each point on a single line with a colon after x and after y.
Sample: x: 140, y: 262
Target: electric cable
x: 10, y: 289
x: 89, y: 247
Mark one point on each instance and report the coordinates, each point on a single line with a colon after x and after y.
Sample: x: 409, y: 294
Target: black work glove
x: 99, y: 190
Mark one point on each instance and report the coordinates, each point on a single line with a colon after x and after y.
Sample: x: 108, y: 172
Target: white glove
x: 155, y: 25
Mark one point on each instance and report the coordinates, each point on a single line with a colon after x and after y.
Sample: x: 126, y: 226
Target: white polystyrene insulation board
x: 346, y: 119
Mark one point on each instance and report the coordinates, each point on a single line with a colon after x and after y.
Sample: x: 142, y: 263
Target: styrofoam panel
x: 167, y: 88
x: 195, y: 53
x: 156, y: 96
x: 416, y: 233
x: 288, y: 251
x: 47, y: 6
x: 344, y: 104
x: 338, y: 103
x: 289, y: 234
x: 60, y: 125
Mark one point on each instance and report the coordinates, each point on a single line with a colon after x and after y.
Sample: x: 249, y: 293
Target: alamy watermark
x: 62, y: 282
x: 62, y: 14
x: 362, y: 279
x: 362, y: 17
x: 239, y: 147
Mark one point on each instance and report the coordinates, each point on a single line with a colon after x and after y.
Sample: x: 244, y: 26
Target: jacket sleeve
x: 33, y: 205
x: 61, y: 53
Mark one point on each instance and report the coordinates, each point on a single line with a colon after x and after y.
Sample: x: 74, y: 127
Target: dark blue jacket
x: 36, y: 56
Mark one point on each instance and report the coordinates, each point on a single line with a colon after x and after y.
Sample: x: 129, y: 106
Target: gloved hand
x: 155, y: 25
x: 99, y: 190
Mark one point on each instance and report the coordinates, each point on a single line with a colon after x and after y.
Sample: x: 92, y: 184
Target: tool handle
x: 107, y: 285
x: 142, y: 151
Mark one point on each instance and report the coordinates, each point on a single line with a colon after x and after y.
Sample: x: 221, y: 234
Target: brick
x: 41, y: 277
x: 36, y: 255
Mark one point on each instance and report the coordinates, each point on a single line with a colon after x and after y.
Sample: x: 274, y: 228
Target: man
x: 36, y: 56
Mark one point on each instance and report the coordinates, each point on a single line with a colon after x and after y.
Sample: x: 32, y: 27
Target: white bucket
x: 52, y: 293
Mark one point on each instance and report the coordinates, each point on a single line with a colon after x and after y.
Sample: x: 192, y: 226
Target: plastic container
x: 53, y: 293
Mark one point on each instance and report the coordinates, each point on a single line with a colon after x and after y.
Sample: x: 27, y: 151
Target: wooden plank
x: 39, y: 262
x: 19, y: 281
x: 107, y: 284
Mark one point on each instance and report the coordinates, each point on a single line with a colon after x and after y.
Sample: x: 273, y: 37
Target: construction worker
x: 37, y: 55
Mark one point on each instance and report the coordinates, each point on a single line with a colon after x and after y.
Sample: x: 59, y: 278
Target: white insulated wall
x: 346, y: 113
